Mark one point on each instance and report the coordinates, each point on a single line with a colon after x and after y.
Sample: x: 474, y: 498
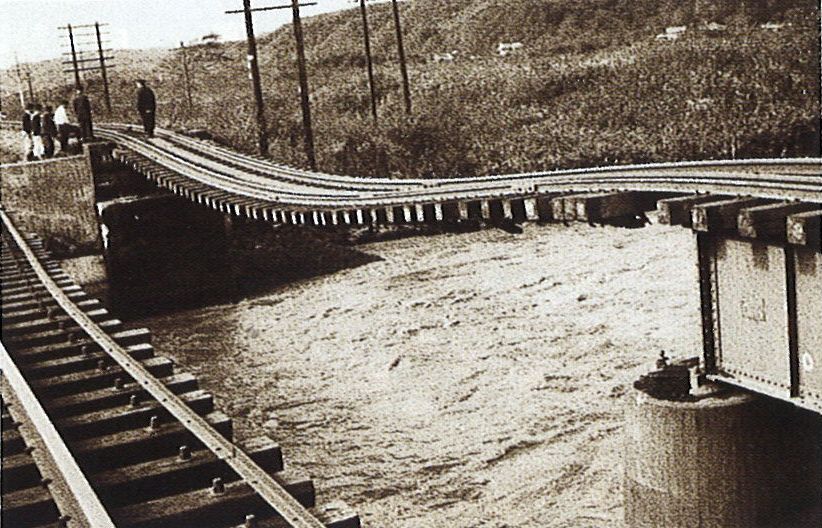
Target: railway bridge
x: 731, y: 438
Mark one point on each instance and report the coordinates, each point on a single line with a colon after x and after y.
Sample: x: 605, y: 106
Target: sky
x: 28, y: 28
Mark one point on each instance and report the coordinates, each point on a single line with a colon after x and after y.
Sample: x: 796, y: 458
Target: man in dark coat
x: 27, y: 141
x: 146, y: 105
x: 82, y: 109
x: 49, y: 132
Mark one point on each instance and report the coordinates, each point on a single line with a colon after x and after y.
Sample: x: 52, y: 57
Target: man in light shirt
x: 62, y: 123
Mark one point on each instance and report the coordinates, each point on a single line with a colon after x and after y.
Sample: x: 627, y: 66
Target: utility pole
x: 102, y: 59
x: 368, y: 61
x: 28, y: 80
x: 77, y: 83
x: 85, y: 45
x: 262, y: 127
x: 308, y: 132
x: 19, y: 82
x: 186, y: 76
x: 401, y: 49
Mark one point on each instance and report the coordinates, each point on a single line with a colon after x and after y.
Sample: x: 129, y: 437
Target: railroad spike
x: 134, y: 401
x: 63, y: 521
x: 185, y: 453
x: 118, y: 383
x: 85, y: 350
x: 154, y: 423
x: 217, y: 486
x: 101, y: 365
x: 250, y: 521
x: 45, y: 482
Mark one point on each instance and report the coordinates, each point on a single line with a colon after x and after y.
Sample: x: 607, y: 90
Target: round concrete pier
x: 727, y: 460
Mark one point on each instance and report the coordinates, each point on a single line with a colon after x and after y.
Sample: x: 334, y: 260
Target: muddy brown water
x: 461, y: 380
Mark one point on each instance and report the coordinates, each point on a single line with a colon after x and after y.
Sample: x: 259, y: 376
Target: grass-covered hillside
x: 591, y: 86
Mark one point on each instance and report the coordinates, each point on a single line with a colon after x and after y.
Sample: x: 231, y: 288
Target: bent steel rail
x: 253, y: 178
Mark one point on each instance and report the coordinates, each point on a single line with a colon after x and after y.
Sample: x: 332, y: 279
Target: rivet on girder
x: 185, y: 453
x: 217, y: 485
x: 250, y: 521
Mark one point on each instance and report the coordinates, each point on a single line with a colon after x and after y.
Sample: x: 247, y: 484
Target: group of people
x: 42, y: 124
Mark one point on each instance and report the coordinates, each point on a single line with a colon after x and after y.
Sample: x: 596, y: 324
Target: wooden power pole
x: 368, y: 61
x: 186, y: 76
x: 255, y: 75
x: 254, y: 67
x: 308, y: 132
x: 406, y: 89
x: 74, y: 65
x: 102, y: 58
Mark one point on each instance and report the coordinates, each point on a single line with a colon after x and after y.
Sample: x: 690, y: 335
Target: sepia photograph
x: 411, y: 263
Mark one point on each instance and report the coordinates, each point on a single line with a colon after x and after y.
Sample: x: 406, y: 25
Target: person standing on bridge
x: 82, y: 109
x: 62, y: 123
x: 37, y: 147
x: 49, y: 132
x: 27, y: 142
x: 146, y: 105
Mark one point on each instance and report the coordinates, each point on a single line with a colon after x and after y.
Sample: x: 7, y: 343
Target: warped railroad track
x: 247, y: 185
x: 98, y: 431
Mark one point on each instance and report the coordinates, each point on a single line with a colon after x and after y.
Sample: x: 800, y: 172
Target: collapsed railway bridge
x: 757, y: 228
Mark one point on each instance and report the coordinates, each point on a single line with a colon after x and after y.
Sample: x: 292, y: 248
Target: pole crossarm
x: 80, y: 26
x: 90, y: 68
x: 88, y: 60
x: 269, y: 8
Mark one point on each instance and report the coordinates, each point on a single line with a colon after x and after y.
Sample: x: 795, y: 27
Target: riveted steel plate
x: 808, y: 266
x: 751, y: 310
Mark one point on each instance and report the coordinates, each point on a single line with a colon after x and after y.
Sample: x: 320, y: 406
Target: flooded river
x: 457, y: 380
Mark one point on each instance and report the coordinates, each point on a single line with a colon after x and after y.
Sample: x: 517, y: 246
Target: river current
x: 456, y: 380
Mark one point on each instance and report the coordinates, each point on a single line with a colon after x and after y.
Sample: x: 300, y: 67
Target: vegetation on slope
x: 591, y: 86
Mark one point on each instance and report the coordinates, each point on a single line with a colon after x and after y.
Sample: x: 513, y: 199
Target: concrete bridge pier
x: 161, y: 249
x: 158, y: 248
x: 724, y: 459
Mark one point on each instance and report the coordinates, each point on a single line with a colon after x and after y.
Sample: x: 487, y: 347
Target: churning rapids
x: 460, y: 381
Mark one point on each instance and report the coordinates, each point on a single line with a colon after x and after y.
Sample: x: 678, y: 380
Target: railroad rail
x: 250, y: 186
x: 124, y: 440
